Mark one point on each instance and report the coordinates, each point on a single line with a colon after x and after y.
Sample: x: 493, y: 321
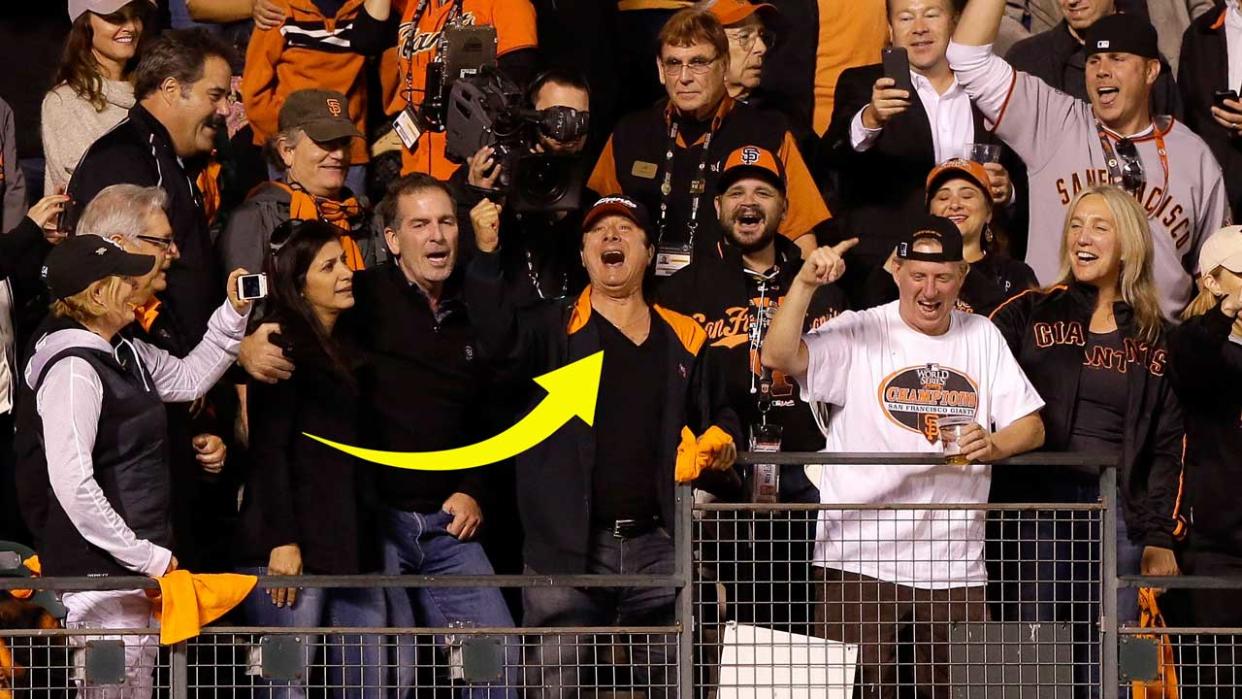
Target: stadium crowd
x: 982, y: 227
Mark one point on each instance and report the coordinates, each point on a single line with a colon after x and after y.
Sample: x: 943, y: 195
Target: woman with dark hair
x: 304, y: 509
x: 93, y: 90
x: 958, y: 190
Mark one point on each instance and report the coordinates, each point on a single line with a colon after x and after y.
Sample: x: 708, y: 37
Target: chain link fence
x: 934, y: 599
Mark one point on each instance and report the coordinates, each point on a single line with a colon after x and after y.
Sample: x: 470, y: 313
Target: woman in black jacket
x: 305, y: 508
x: 1093, y: 345
x: 1205, y: 364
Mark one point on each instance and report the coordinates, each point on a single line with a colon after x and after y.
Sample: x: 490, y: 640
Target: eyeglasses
x: 161, y: 243
x: 1133, y: 178
x: 746, y: 37
x: 698, y: 66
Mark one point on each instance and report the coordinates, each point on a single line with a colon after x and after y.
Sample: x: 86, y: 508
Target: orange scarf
x: 305, y: 207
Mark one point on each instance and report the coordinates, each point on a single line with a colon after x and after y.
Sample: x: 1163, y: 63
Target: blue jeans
x: 1059, y: 574
x: 355, y: 662
x: 553, y: 665
x: 419, y: 544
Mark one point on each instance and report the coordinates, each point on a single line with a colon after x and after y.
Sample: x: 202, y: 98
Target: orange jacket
x: 296, y: 56
x: 403, y: 68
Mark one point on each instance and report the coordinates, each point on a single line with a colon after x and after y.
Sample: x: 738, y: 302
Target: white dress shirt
x: 952, y: 124
x: 1233, y: 43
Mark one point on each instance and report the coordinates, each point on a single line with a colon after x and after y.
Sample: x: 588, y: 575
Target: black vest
x: 130, y: 462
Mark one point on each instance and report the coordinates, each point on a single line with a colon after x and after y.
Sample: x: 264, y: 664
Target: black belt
x: 631, y: 528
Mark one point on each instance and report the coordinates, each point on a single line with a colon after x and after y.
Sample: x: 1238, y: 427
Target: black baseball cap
x: 82, y: 260
x: 617, y: 205
x: 935, y: 228
x: 1120, y: 33
x: 322, y: 114
x: 752, y: 161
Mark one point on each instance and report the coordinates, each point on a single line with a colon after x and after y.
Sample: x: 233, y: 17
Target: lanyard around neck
x: 697, y: 186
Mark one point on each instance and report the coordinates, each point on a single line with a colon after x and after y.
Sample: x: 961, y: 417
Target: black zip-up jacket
x: 139, y: 151
x: 1206, y: 368
x: 554, y: 478
x: 1046, y: 331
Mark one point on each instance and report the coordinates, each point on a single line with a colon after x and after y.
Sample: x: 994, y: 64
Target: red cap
x: 734, y: 11
x: 751, y: 161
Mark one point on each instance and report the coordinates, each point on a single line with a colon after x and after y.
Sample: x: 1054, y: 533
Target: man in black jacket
x: 1207, y: 67
x: 601, y: 499
x: 425, y: 388
x: 1058, y: 56
x: 884, y: 140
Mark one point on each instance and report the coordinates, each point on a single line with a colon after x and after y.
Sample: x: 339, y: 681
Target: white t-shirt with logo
x: 880, y: 386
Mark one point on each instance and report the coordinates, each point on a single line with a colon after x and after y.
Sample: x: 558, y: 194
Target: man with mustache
x: 733, y: 294
x: 600, y: 499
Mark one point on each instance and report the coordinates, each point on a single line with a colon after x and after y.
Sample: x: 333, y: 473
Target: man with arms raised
x: 1069, y: 144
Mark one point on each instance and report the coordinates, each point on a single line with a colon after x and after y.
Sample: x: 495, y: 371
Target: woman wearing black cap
x: 1093, y: 344
x: 99, y: 409
x: 958, y: 190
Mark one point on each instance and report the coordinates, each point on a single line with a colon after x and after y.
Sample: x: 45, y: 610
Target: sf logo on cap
x: 334, y: 106
x: 750, y: 155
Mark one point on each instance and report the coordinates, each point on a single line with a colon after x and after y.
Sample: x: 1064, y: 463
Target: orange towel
x: 188, y: 600
x: 32, y: 564
x: 694, y: 455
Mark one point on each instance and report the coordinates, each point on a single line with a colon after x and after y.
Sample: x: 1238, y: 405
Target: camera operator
x: 540, y: 258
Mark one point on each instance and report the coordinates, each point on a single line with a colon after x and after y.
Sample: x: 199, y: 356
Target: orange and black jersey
x: 804, y: 65
x: 634, y: 163
x: 308, y: 50
x: 724, y: 297
x: 1047, y: 331
x: 410, y: 40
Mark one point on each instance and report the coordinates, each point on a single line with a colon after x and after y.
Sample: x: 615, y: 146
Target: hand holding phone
x: 1225, y: 110
x: 892, y: 93
x: 252, y: 287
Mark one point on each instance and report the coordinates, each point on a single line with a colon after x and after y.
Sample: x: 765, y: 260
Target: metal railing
x: 721, y: 549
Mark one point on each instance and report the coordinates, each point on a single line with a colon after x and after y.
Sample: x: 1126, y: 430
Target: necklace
x: 534, y: 278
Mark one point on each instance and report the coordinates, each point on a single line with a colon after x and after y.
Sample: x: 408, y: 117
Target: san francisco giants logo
x: 334, y: 106
x: 750, y: 155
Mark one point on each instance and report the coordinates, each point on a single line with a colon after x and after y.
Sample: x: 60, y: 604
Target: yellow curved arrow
x: 572, y: 391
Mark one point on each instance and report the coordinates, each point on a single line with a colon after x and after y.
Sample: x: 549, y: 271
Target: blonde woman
x: 1205, y: 363
x: 102, y: 435
x: 1093, y: 346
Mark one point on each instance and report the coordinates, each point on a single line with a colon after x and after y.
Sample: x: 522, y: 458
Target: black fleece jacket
x: 1047, y: 332
x: 1206, y: 368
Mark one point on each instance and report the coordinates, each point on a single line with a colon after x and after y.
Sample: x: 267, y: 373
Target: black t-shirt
x: 628, y: 423
x: 1100, y: 407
